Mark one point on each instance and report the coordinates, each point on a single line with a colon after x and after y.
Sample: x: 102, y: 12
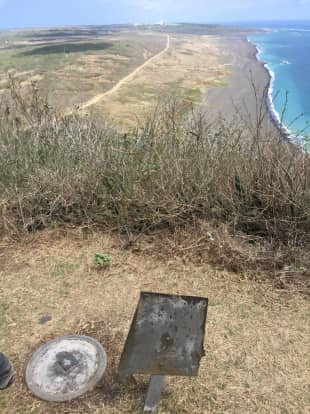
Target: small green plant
x: 102, y: 260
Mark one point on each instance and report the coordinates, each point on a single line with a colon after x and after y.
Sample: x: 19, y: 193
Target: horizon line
x: 164, y: 23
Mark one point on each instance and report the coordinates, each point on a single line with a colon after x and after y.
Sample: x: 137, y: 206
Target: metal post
x: 153, y: 393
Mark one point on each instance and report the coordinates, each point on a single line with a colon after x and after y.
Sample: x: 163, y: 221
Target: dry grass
x: 177, y: 179
x: 256, y: 340
x: 70, y: 79
x: 174, y: 173
x: 188, y: 69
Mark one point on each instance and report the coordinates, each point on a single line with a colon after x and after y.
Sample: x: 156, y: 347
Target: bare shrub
x: 172, y: 172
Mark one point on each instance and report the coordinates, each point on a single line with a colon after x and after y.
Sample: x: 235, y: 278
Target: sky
x: 39, y: 13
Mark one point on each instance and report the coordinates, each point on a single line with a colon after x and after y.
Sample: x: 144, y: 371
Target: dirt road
x: 127, y: 78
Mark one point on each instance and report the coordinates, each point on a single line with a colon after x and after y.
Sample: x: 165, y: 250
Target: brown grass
x: 78, y: 77
x: 197, y: 202
x: 192, y: 65
x: 256, y: 340
x: 178, y: 172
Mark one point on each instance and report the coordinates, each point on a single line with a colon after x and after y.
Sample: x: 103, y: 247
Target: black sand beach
x: 247, y: 85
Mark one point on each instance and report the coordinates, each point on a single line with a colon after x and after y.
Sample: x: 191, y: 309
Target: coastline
x: 239, y: 98
x: 275, y: 116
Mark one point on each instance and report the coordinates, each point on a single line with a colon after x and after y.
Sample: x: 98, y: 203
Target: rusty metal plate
x: 166, y: 336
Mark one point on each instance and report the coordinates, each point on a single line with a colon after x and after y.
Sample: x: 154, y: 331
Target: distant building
x: 161, y: 23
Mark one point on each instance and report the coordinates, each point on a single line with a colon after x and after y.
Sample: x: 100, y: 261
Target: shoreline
x: 274, y: 114
x: 248, y: 83
x: 246, y: 68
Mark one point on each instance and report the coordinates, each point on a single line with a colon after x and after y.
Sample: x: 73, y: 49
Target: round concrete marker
x: 66, y: 368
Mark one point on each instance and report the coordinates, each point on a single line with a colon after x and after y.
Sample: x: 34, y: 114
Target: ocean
x: 285, y: 49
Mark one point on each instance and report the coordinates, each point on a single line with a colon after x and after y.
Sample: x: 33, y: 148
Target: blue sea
x: 285, y: 49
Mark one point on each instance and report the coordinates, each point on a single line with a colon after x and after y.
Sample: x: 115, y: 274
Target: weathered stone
x: 44, y: 319
x: 66, y: 368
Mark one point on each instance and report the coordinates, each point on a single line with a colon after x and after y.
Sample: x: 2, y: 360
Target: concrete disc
x: 66, y: 368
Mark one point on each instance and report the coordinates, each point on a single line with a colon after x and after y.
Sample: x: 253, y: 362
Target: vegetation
x: 255, y: 334
x: 226, y: 197
x: 173, y: 172
x: 102, y: 260
x: 71, y: 66
x: 189, y: 207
